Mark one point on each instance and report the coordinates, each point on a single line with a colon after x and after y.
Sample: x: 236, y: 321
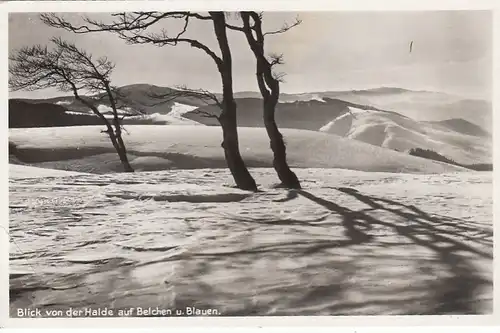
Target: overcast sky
x: 452, y: 52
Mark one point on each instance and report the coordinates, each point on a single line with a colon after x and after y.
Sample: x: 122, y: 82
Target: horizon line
x: 367, y: 88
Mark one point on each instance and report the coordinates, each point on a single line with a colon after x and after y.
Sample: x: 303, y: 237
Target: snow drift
x: 154, y: 147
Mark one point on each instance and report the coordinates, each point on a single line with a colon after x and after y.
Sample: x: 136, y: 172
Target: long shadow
x: 453, y: 294
x: 355, y: 223
x: 424, y: 222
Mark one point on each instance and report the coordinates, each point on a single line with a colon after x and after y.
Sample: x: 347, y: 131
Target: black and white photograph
x: 250, y: 163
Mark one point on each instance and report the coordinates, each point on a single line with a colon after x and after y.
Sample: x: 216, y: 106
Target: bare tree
x: 269, y: 86
x: 133, y: 28
x: 70, y: 69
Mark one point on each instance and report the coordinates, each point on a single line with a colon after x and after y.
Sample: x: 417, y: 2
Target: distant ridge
x: 308, y: 115
x: 256, y: 94
x: 463, y: 126
x: 318, y: 108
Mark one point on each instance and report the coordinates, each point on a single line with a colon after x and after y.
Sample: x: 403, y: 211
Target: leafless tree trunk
x: 227, y: 118
x: 117, y: 135
x: 269, y: 87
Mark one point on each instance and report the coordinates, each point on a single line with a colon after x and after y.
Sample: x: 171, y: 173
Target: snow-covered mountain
x: 417, y: 104
x: 421, y: 105
x: 395, y: 131
x: 310, y: 114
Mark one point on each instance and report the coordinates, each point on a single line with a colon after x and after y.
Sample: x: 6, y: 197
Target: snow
x: 304, y: 98
x: 63, y: 102
x: 179, y: 109
x: 107, y: 109
x: 193, y: 147
x: 174, y: 117
x: 394, y: 131
x: 350, y: 243
x: 78, y: 113
x: 106, y: 115
x: 24, y: 171
x: 425, y: 106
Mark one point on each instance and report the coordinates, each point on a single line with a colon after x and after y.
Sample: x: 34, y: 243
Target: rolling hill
x: 142, y: 104
x: 395, y: 131
x: 307, y: 114
x: 139, y: 98
x: 86, y: 149
x: 420, y: 105
x: 463, y: 126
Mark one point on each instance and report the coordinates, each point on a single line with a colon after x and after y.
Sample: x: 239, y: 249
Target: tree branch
x: 284, y: 28
x: 132, y: 27
x: 182, y: 91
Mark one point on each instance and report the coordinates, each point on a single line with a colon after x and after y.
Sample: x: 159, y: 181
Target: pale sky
x: 452, y: 52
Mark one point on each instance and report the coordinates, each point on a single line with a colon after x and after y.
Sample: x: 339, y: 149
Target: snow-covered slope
x: 63, y: 102
x: 463, y: 126
x: 394, y: 131
x: 351, y: 243
x: 107, y: 109
x: 17, y: 171
x: 168, y: 119
x: 199, y: 147
x: 419, y: 105
x: 174, y: 117
x: 179, y: 109
x: 301, y: 97
x: 422, y: 105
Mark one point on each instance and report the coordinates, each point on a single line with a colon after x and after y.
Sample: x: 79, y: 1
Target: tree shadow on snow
x: 451, y: 246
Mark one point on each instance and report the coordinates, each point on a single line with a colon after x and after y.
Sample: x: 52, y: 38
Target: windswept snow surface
x: 394, y: 131
x: 195, y: 147
x: 25, y: 171
x: 350, y: 243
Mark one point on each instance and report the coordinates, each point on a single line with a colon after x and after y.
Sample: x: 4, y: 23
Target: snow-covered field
x: 156, y: 147
x: 350, y: 243
x: 402, y: 235
x: 394, y: 131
